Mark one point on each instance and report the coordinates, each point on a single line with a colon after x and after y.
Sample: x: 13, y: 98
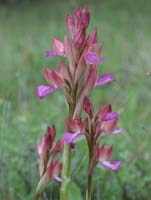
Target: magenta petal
x: 70, y: 137
x: 119, y: 130
x: 91, y: 58
x: 50, y: 54
x: 57, y: 178
x: 108, y: 165
x: 104, y: 79
x: 43, y: 90
x: 110, y: 116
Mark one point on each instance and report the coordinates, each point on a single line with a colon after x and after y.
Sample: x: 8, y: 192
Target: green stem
x: 65, y: 175
x: 65, y: 172
x: 90, y: 175
x: 89, y: 187
x: 91, y: 165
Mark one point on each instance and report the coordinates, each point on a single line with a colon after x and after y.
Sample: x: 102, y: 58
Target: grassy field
x: 26, y: 31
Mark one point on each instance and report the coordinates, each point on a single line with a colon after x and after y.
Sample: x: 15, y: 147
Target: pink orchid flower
x: 54, y: 78
x: 103, y: 156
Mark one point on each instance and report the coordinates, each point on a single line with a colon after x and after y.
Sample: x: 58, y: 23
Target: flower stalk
x: 89, y: 187
x: 66, y: 157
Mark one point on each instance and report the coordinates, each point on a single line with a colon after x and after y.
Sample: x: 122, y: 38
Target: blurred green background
x: 26, y: 31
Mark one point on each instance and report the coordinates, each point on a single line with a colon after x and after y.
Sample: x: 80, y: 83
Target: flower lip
x: 114, y: 132
x: 70, y: 137
x: 103, y: 156
x: 57, y: 178
x: 92, y: 58
x: 119, y: 130
x: 50, y: 54
x: 106, y: 78
x: 113, y: 166
x: 110, y: 116
x: 43, y: 90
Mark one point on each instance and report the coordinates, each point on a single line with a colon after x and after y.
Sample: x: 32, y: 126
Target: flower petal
x: 110, y: 116
x: 109, y: 126
x: 54, y: 78
x: 104, y: 79
x: 70, y: 25
x: 58, y: 148
x: 85, y: 16
x: 102, y: 112
x: 93, y: 37
x: 119, y: 130
x: 63, y: 69
x: 88, y: 107
x: 54, y: 170
x: 39, y: 147
x: 50, y: 54
x: 92, y: 58
x: 69, y: 54
x: 116, y: 131
x: 49, y: 137
x: 58, y: 47
x: 81, y: 67
x: 57, y: 178
x: 107, y: 164
x: 43, y: 90
x: 70, y: 137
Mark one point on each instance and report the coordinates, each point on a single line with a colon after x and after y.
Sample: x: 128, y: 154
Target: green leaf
x: 74, y: 192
